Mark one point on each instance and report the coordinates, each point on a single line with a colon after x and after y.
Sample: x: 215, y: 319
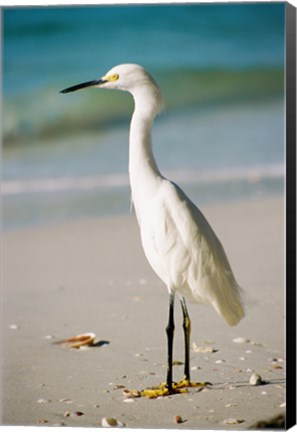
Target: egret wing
x: 208, y: 273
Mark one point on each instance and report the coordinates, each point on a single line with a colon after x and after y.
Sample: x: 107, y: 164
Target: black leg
x: 170, y: 334
x: 187, y: 331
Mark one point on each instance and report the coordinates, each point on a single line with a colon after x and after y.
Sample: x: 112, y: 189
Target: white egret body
x: 178, y: 242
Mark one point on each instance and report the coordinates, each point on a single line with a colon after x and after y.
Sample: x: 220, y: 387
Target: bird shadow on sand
x: 237, y: 384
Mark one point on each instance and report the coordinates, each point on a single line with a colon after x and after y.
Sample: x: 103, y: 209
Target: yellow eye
x: 114, y: 77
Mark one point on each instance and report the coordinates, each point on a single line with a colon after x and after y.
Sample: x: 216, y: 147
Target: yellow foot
x: 158, y: 391
x: 162, y: 389
x: 185, y: 383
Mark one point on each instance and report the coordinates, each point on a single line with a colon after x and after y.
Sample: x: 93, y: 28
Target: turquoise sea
x: 221, y: 135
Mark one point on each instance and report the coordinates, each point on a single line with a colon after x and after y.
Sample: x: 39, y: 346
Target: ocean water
x: 221, y: 135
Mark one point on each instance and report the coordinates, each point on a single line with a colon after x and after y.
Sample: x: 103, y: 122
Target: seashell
x: 203, y: 348
x: 255, y: 379
x: 81, y: 340
x: 131, y: 393
x: 111, y: 422
x: 256, y: 343
x: 276, y: 366
x: 129, y: 400
x: 178, y: 419
x: 231, y: 421
x: 241, y: 339
x: 43, y: 400
x: 65, y: 400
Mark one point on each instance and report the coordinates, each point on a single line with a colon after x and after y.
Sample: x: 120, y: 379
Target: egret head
x: 127, y: 77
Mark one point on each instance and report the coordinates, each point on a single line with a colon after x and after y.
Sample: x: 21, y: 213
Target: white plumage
x: 177, y: 240
x: 185, y: 253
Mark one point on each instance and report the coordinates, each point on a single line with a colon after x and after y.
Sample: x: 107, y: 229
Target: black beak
x: 83, y: 85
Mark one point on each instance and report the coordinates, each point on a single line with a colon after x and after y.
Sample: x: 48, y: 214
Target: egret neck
x: 143, y: 170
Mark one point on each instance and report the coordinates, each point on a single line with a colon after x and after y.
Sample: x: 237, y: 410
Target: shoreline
x: 91, y: 275
x: 37, y: 211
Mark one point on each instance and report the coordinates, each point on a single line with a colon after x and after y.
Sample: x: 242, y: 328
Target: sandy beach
x: 91, y: 276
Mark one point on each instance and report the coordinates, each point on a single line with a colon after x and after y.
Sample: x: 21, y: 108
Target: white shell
x: 241, y: 339
x: 231, y: 421
x: 111, y: 422
x: 203, y: 348
x: 131, y: 393
x: 255, y: 379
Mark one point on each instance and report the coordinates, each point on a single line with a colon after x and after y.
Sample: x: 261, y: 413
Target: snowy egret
x: 178, y: 242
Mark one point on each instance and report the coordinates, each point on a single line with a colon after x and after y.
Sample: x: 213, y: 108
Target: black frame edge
x: 290, y: 23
